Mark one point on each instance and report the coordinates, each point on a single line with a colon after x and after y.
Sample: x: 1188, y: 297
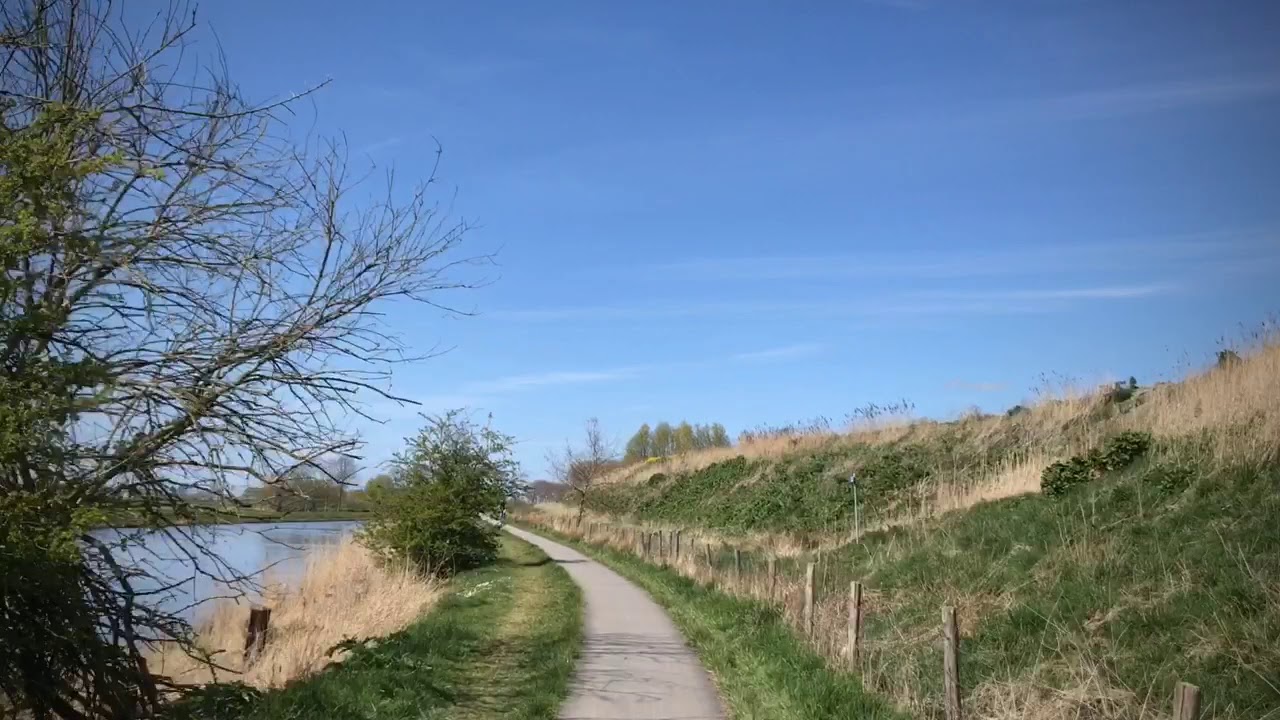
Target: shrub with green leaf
x: 1060, y: 477
x: 1170, y: 478
x: 1119, y: 451
x: 453, y: 475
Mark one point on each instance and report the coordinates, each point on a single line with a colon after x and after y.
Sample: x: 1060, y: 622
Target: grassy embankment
x: 1092, y: 604
x: 762, y: 670
x: 501, y: 642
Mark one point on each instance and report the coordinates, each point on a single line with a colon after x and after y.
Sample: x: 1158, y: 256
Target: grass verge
x: 762, y: 670
x: 503, y: 644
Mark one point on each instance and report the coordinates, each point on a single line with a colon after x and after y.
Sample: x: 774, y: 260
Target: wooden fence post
x: 773, y: 576
x: 855, y: 623
x: 255, y: 636
x: 951, y: 662
x: 737, y: 565
x: 1186, y: 702
x: 808, y: 600
x: 677, y: 545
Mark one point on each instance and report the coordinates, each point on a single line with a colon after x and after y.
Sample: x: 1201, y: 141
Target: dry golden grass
x: 1016, y: 476
x: 1236, y: 410
x: 687, y: 462
x: 344, y: 593
x: 1223, y: 415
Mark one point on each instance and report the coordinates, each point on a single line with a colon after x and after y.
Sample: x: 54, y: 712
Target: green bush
x: 453, y: 475
x: 1060, y: 477
x: 1170, y: 478
x: 1119, y: 451
x: 218, y: 701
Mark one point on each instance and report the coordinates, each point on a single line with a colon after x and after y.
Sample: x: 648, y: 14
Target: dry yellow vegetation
x: 1232, y: 413
x: 345, y: 592
x: 1090, y: 605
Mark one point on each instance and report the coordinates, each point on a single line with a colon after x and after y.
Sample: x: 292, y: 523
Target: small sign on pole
x: 857, y: 520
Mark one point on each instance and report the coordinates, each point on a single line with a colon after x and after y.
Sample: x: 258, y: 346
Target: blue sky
x: 758, y: 212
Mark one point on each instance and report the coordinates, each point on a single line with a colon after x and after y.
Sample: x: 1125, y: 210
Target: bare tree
x: 580, y: 468
x: 190, y: 301
x: 343, y: 471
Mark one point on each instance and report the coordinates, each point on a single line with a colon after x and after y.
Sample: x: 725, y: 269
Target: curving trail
x: 634, y: 662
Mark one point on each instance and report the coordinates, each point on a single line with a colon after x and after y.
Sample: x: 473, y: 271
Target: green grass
x: 1129, y: 585
x: 800, y: 492
x: 503, y: 644
x: 1093, y: 604
x: 807, y: 491
x: 762, y: 670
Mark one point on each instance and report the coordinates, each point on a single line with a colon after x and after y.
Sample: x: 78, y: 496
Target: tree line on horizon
x: 664, y: 440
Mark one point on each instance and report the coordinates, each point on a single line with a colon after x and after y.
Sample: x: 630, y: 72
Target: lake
x: 271, y: 552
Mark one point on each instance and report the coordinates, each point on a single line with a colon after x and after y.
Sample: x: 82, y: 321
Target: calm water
x: 269, y: 553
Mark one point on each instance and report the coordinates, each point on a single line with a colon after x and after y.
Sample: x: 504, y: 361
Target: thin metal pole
x: 857, y: 514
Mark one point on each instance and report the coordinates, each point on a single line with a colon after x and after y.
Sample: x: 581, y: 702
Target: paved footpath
x: 634, y: 663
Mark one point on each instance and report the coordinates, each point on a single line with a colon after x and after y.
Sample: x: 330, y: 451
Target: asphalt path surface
x: 634, y: 662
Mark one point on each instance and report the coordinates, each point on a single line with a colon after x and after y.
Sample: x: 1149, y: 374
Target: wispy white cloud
x: 1152, y: 97
x: 982, y: 387
x: 1114, y: 292
x: 786, y: 352
x: 1158, y: 252
x: 375, y: 146
x: 1100, y: 103
x: 515, y: 383
x: 482, y: 391
x: 925, y: 303
x: 900, y: 4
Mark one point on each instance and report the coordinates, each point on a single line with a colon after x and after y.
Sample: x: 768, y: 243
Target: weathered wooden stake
x: 808, y: 599
x: 1186, y: 702
x: 855, y: 623
x: 773, y: 576
x: 737, y: 565
x: 255, y: 636
x: 706, y: 550
x: 951, y: 662
x: 677, y: 545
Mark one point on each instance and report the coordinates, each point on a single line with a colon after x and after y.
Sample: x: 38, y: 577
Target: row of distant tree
x: 664, y: 440
x: 335, y: 485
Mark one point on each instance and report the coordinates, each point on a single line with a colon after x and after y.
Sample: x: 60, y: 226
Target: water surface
x: 259, y: 552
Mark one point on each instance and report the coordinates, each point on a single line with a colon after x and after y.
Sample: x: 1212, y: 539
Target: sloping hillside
x: 908, y: 471
x: 1155, y: 558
